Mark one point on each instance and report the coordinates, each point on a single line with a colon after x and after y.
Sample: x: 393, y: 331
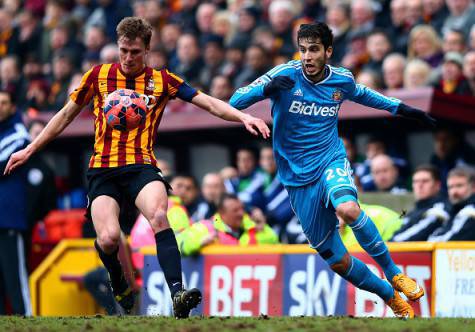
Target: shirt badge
x: 151, y: 84
x: 337, y: 95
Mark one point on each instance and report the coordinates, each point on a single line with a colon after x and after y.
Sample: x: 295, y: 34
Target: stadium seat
x: 58, y: 225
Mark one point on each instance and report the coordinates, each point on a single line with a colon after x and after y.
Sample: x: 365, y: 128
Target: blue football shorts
x: 314, y: 204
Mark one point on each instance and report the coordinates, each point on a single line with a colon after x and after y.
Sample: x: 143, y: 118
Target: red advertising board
x: 417, y: 265
x: 242, y: 285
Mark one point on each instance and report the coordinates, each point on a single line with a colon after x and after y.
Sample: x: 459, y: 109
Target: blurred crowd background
x: 220, y: 45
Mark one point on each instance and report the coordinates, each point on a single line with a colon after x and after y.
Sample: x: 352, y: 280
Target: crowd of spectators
x: 220, y: 45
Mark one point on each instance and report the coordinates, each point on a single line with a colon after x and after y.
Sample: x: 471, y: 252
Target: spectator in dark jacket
x: 189, y: 61
x: 278, y: 210
x: 248, y: 20
x: 338, y: 19
x: 450, y: 151
x: 212, y: 188
x: 469, y: 71
x: 386, y: 175
x: 430, y: 210
x: 14, y: 283
x: 451, y: 79
x: 434, y: 12
x: 41, y: 188
x: 257, y: 64
x: 461, y: 225
x: 249, y: 184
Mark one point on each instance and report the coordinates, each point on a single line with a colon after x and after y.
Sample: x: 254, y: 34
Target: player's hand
x: 16, y: 160
x: 416, y: 114
x: 278, y: 83
x: 255, y: 126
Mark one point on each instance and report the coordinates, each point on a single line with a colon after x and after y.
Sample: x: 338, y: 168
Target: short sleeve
x: 177, y: 87
x: 83, y: 93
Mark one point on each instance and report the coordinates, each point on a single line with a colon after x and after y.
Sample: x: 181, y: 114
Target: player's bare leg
x: 105, y: 216
x: 152, y: 201
x: 370, y: 240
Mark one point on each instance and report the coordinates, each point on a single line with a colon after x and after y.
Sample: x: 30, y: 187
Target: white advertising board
x: 455, y: 283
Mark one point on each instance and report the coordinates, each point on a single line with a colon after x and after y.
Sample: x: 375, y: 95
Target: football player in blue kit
x: 306, y: 96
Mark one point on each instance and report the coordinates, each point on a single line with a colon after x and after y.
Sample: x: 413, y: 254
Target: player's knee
x: 342, y: 266
x: 108, y: 241
x: 159, y: 220
x: 348, y: 211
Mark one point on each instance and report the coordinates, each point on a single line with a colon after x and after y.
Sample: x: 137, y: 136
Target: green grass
x: 218, y: 324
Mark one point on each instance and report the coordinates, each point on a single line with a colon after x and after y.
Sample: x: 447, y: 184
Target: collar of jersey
x: 130, y: 76
x: 322, y: 81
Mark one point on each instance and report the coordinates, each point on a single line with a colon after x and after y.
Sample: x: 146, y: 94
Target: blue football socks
x: 360, y: 276
x: 370, y: 240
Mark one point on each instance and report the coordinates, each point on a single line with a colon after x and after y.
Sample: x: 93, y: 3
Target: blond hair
x: 423, y: 30
x: 419, y: 68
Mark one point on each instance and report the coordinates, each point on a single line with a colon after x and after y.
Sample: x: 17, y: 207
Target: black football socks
x: 169, y: 259
x: 112, y: 264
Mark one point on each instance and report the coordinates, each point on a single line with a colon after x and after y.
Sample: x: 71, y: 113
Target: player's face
x: 424, y: 186
x: 459, y: 188
x: 313, y: 57
x: 132, y: 55
x: 6, y: 106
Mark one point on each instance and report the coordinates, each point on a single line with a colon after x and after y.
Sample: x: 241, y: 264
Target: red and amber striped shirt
x: 113, y: 148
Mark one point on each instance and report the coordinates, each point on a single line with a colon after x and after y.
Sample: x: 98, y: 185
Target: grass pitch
x: 218, y: 324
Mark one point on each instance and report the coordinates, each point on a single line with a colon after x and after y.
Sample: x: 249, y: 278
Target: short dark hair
x: 260, y: 48
x: 374, y: 139
x: 133, y: 27
x: 10, y: 95
x: 186, y: 176
x: 379, y: 31
x: 254, y: 152
x: 318, y: 30
x: 431, y: 169
x: 223, y: 198
x: 457, y: 31
x: 463, y: 171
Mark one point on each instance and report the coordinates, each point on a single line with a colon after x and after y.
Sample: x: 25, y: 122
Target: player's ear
x: 329, y: 51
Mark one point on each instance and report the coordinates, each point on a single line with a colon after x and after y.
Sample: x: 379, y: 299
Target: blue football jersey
x: 305, y: 131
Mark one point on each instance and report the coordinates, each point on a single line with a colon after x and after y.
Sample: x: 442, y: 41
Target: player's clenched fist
x: 278, y: 83
x: 416, y: 114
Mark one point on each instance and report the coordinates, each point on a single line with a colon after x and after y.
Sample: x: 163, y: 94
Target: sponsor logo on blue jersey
x: 299, y: 107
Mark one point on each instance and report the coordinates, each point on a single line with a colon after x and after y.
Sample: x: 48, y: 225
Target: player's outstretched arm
x: 54, y: 127
x: 224, y: 111
x: 368, y: 97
